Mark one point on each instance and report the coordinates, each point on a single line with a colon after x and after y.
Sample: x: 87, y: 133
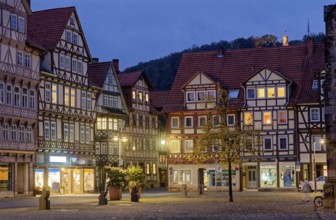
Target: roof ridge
x: 54, y: 9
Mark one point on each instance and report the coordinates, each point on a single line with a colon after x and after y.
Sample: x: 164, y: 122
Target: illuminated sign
x: 57, y: 159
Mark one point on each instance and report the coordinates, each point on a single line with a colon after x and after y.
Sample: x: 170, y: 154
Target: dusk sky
x: 136, y: 31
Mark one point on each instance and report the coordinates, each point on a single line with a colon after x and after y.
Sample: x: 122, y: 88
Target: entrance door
x: 252, y: 177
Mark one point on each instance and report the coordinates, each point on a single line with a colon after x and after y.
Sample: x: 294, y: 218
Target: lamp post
x: 120, y: 140
x: 314, y: 162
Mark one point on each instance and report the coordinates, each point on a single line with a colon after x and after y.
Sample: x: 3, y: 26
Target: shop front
x: 64, y: 174
x: 282, y: 175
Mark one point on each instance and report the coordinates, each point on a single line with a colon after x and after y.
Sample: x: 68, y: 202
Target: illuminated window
x: 133, y: 95
x: 190, y: 97
x: 54, y: 94
x: 66, y: 96
x: 282, y: 117
x: 175, y: 146
x: 72, y: 132
x: 270, y: 92
x: 140, y: 97
x: 261, y: 93
x: 250, y: 93
x: 281, y: 92
x: 188, y: 146
x: 104, y: 124
x: 154, y: 168
x: 147, y: 99
x: 248, y: 118
x: 267, y: 118
x: 148, y: 169
x: 72, y: 98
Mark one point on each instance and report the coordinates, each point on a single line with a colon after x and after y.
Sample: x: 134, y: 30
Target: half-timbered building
x: 112, y: 113
x: 142, y: 130
x: 66, y: 119
x: 19, y: 78
x: 277, y: 91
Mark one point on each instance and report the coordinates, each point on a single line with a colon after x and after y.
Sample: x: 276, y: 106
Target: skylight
x: 233, y: 94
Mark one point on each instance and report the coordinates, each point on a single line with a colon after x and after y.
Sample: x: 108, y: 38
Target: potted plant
x: 136, y: 178
x: 115, y: 181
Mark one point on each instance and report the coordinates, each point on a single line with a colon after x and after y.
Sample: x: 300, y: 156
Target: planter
x: 115, y: 192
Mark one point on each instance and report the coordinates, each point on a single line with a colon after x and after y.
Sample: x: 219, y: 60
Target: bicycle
x: 318, y: 201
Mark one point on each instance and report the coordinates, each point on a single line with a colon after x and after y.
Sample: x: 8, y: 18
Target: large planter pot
x: 115, y: 192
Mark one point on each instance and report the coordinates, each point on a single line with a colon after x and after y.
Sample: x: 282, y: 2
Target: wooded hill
x: 161, y: 72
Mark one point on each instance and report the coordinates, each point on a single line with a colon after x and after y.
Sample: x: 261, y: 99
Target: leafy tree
x: 223, y: 144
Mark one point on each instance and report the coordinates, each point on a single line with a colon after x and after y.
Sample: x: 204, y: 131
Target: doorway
x: 252, y: 177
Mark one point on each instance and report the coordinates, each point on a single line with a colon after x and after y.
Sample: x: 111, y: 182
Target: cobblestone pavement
x: 163, y: 205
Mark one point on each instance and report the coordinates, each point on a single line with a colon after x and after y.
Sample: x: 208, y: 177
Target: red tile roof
x: 98, y: 72
x: 158, y: 98
x: 46, y: 27
x: 237, y: 66
x: 129, y: 79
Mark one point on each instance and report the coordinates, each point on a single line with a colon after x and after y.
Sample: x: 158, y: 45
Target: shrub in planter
x: 134, y: 175
x: 115, y: 181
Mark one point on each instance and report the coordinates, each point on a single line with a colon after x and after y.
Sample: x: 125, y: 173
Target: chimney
x: 95, y: 60
x: 310, y: 46
x: 116, y: 65
x: 285, y: 41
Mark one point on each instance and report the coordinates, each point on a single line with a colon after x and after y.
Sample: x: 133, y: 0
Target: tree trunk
x: 230, y: 183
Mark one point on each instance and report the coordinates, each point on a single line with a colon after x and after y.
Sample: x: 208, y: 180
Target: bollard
x: 44, y: 203
x: 184, y: 190
x: 102, y: 198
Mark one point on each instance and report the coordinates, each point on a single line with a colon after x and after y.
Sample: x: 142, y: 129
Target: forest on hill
x: 161, y: 72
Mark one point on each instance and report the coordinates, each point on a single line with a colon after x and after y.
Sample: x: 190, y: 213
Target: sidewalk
x: 164, y: 205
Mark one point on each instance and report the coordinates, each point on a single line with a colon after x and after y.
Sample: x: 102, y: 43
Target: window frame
x: 248, y: 94
x: 187, y: 147
x: 21, y: 24
x: 311, y: 114
x: 264, y: 143
x: 279, y: 117
x: 245, y: 118
x: 172, y: 122
x: 278, y: 91
x: 264, y: 114
x: 175, y: 149
x: 279, y: 139
x: 199, y: 96
x: 227, y: 119
x: 269, y: 90
x: 259, y: 94
x: 190, y: 97
x: 191, y: 121
x: 200, y: 121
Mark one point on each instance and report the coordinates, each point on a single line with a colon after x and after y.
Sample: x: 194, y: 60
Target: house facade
x: 142, y: 127
x: 112, y: 113
x: 276, y: 91
x: 66, y: 117
x: 19, y: 80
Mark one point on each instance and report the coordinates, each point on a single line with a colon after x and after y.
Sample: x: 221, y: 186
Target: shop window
x: 282, y: 117
x: 54, y: 179
x: 39, y: 173
x: 287, y: 176
x: 267, y: 117
x: 261, y: 93
x: 88, y: 180
x: 268, y: 176
x: 182, y: 176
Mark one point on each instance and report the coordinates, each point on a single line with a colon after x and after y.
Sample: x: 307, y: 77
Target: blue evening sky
x: 136, y: 31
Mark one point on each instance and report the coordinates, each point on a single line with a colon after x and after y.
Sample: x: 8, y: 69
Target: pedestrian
x: 305, y: 189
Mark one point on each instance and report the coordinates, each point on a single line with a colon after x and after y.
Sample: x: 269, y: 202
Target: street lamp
x: 119, y: 139
x: 314, y: 161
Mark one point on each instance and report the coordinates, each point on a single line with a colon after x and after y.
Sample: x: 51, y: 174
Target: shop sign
x: 81, y: 161
x: 297, y: 166
x: 57, y: 159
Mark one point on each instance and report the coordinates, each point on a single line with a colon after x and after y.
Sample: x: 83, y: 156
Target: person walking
x: 305, y: 189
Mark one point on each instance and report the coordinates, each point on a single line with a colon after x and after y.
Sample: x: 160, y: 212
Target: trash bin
x: 184, y: 190
x: 44, y: 202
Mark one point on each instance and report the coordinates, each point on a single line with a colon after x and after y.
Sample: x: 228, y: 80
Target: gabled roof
x: 46, y: 27
x: 98, y: 72
x: 297, y: 63
x: 195, y: 75
x: 129, y: 79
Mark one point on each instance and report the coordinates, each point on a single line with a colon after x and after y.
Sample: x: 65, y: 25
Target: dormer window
x: 190, y: 97
x: 233, y: 94
x: 200, y: 96
x: 315, y: 84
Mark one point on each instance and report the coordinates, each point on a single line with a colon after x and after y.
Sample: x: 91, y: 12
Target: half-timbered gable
x: 66, y: 101
x: 142, y: 127
x: 267, y: 88
x: 112, y: 113
x: 19, y: 81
